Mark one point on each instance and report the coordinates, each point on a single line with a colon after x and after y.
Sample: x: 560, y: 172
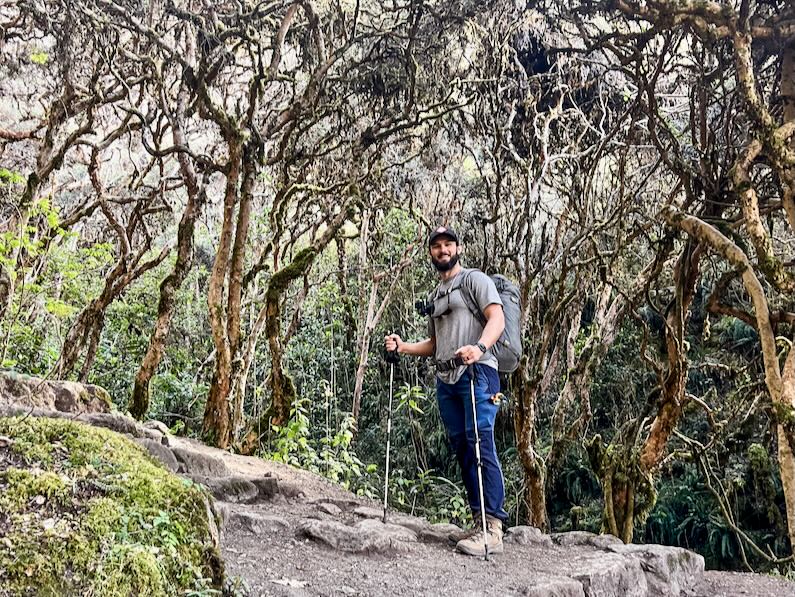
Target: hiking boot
x: 456, y: 536
x: 476, y: 545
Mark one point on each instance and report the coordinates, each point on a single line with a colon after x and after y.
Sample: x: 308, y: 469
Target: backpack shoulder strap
x: 466, y: 293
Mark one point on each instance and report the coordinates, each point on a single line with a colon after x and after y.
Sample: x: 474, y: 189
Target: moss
x: 93, y: 514
x: 784, y: 413
x: 22, y: 486
x: 297, y: 268
x: 132, y: 570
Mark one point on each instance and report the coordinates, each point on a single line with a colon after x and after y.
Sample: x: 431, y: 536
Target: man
x: 454, y: 332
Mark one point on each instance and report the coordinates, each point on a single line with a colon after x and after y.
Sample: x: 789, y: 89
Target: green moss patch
x: 84, y: 511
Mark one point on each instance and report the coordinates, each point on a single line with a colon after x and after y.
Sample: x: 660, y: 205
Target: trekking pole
x: 480, y: 463
x: 393, y: 359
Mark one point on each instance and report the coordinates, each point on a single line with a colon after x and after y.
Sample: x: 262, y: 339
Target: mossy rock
x: 84, y: 511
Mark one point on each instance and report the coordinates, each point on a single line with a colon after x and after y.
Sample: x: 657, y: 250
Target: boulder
x: 267, y: 486
x: 198, y: 463
x: 258, y: 524
x: 555, y: 587
x: 160, y: 452
x: 157, y: 426
x: 332, y: 509
x: 438, y: 533
x: 669, y: 571
x: 610, y: 575
x: 526, y: 535
x: 585, y: 538
x: 367, y: 536
x: 235, y: 489
x: 64, y: 396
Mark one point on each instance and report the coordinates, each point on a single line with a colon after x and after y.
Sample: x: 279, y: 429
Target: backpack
x: 508, y: 349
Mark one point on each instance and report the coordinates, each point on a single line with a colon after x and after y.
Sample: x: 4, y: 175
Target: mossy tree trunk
x: 281, y: 385
x: 196, y: 197
x: 524, y: 423
x: 216, y: 424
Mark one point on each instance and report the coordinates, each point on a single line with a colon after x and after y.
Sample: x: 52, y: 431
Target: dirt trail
x: 265, y: 544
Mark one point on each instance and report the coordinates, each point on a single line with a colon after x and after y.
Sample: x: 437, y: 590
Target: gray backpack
x: 508, y: 348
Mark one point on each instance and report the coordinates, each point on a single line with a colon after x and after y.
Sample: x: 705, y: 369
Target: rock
x: 526, y: 535
x: 198, y: 463
x: 669, y: 570
x: 332, y: 509
x: 160, y: 452
x: 267, y: 486
x: 223, y: 510
x: 605, y: 575
x: 412, y: 523
x: 573, y: 538
x: 376, y: 527
x: 291, y: 490
x: 605, y: 541
x: 343, y: 503
x: 29, y: 392
x: 368, y: 536
x: 368, y: 512
x: 556, y: 587
x: 157, y: 426
x: 437, y: 533
x: 120, y: 424
x: 257, y: 524
x: 229, y: 489
x: 585, y: 538
x: 213, y: 520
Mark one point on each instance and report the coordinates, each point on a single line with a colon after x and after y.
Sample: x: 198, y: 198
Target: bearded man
x: 460, y: 346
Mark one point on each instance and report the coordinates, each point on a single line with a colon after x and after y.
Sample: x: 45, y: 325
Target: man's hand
x: 393, y: 342
x: 470, y: 354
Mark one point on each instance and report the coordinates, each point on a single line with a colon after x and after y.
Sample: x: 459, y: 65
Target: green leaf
x: 10, y: 177
x: 39, y: 58
x: 59, y: 309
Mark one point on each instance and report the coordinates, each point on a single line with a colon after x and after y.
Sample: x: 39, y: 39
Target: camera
x: 424, y: 308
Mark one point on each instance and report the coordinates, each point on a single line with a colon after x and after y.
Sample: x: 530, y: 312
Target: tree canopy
x: 216, y: 210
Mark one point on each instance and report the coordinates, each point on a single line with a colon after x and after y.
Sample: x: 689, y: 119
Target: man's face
x: 444, y: 253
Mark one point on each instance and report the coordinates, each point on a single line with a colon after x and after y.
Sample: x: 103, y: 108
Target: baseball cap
x: 442, y: 231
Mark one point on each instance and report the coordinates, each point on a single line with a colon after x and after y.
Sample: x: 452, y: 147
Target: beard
x: 445, y: 267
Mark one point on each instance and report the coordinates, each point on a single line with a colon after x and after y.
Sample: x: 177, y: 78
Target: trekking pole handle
x: 391, y: 356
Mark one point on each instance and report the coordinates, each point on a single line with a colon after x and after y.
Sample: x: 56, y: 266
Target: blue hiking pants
x: 455, y: 406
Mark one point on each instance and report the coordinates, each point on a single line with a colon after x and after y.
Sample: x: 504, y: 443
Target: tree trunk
x: 282, y: 388
x: 532, y: 464
x: 786, y: 425
x: 782, y: 394
x: 139, y: 402
x: 216, y: 425
x: 785, y: 431
x: 6, y: 291
x: 364, y: 351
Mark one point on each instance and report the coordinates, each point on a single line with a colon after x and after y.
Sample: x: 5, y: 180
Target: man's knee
x: 459, y: 441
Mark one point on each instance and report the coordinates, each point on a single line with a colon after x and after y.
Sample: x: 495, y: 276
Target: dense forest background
x: 216, y: 210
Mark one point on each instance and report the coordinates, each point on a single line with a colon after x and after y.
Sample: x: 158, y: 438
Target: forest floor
x: 268, y: 550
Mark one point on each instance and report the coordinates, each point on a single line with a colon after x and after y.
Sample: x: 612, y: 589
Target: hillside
x: 285, y: 531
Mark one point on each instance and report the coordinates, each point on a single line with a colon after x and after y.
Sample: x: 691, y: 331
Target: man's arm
x: 495, y: 324
x: 423, y: 348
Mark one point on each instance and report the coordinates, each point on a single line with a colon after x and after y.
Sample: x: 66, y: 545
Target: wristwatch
x: 482, y: 347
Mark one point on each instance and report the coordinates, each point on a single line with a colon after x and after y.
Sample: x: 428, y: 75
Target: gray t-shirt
x: 454, y: 325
